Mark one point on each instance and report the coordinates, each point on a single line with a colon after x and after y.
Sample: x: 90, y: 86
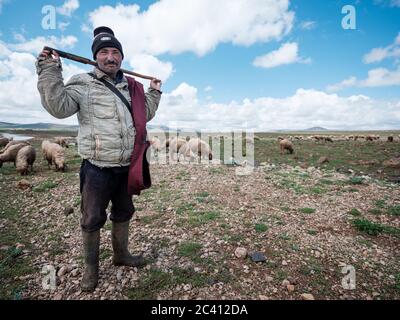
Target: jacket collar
x: 120, y: 80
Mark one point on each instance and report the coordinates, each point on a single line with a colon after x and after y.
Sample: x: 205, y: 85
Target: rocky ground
x: 200, y: 228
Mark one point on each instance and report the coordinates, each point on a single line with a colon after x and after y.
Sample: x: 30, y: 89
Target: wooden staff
x: 83, y: 60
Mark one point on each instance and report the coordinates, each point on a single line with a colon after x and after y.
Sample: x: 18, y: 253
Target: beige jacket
x: 106, y: 132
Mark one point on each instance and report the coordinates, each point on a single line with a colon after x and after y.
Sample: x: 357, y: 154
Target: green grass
x: 200, y: 218
x: 189, y: 249
x: 368, y: 227
x: 356, y: 180
x: 45, y: 186
x: 375, y: 211
x: 380, y: 203
x: 394, y: 210
x: 149, y: 285
x: 307, y: 210
x: 355, y: 212
x: 260, y: 227
x: 374, y: 229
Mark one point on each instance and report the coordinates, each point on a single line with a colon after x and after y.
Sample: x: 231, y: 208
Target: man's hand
x: 45, y: 54
x: 155, y: 84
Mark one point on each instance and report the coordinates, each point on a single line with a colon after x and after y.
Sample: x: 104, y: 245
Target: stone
x: 307, y: 296
x: 68, y: 211
x: 63, y: 270
x: 290, y: 287
x: 24, y: 184
x: 323, y: 160
x: 241, y: 253
x: 285, y: 283
x: 257, y: 256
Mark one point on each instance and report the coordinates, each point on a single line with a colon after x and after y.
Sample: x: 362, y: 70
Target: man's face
x: 109, y: 60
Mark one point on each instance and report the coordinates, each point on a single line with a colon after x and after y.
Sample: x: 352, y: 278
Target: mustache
x: 111, y: 63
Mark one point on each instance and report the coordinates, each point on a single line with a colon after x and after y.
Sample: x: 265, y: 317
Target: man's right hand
x: 46, y: 54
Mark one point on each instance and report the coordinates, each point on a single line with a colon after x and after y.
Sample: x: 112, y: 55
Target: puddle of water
x: 17, y: 137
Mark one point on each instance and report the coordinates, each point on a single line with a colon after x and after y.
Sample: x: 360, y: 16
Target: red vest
x: 139, y: 170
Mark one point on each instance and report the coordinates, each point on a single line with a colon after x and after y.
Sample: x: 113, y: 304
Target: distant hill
x: 38, y: 126
x: 316, y: 129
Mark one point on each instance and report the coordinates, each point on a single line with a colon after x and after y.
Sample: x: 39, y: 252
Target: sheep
x: 61, y: 141
x: 26, y: 156
x: 200, y: 147
x: 12, y: 143
x: 11, y: 153
x: 285, y: 144
x: 186, y: 152
x: 174, y: 145
x: 54, y: 154
x: 155, y: 144
x: 390, y: 138
x: 328, y: 139
x: 4, y: 141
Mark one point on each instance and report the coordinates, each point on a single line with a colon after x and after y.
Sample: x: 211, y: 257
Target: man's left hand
x: 155, y: 84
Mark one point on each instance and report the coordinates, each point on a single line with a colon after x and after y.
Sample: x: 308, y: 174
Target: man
x: 105, y: 142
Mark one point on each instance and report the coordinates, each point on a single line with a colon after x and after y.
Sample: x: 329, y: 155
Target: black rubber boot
x: 122, y: 257
x: 91, y: 244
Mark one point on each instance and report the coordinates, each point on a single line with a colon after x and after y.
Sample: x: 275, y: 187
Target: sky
x: 263, y: 65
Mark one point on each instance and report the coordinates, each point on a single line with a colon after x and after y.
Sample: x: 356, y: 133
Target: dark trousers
x: 98, y: 187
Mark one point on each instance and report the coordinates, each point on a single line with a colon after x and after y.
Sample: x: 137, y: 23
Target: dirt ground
x: 316, y: 226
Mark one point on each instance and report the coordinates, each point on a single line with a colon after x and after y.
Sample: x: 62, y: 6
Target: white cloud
x: 306, y: 108
x: 286, y: 54
x: 379, y: 77
x: 36, y: 45
x: 308, y: 25
x: 150, y: 65
x: 63, y: 25
x: 208, y: 88
x: 176, y: 26
x: 19, y: 97
x: 379, y: 54
x: 68, y: 8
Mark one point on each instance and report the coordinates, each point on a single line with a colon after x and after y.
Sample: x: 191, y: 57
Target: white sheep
x: 200, y: 147
x: 54, y: 154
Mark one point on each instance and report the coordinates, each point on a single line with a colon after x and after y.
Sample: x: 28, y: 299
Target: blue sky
x: 207, y: 58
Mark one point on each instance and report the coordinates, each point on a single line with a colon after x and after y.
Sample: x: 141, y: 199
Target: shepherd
x: 112, y: 111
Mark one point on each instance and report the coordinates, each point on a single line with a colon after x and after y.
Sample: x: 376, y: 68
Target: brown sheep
x: 26, y: 156
x: 4, y: 141
x: 61, y: 141
x: 10, y: 154
x: 285, y: 144
x: 390, y: 138
x: 54, y: 154
x: 12, y: 143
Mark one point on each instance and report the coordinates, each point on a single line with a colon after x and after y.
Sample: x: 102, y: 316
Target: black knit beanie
x: 104, y: 37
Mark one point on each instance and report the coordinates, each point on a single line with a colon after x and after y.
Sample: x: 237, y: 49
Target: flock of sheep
x: 23, y: 155
x: 188, y: 148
